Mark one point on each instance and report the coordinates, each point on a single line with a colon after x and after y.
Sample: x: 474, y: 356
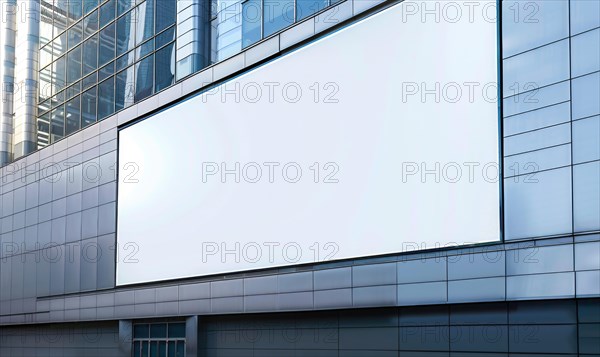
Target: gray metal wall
x: 58, y: 216
x: 558, y: 327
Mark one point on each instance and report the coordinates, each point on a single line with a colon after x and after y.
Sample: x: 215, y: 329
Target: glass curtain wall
x: 100, y: 56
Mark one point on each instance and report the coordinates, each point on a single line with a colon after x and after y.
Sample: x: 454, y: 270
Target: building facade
x: 76, y: 72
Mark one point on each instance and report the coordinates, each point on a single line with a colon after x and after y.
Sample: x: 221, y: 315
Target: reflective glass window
x: 305, y: 8
x: 88, y: 107
x: 125, y: 33
x: 165, y: 37
x: 58, y: 123
x: 59, y: 73
x: 586, y: 195
x: 165, y: 67
x: 45, y: 85
x: 125, y: 60
x: 125, y: 5
x: 586, y: 91
x: 527, y: 24
x: 145, y: 21
x: 74, y: 35
x: 106, y: 98
x: 89, y: 81
x: 145, y: 49
x: 90, y: 55
x: 46, y: 55
x: 107, y: 45
x: 125, y: 88
x: 585, y: 53
x: 277, y: 14
x: 536, y: 68
x: 75, y: 10
x: 107, y: 13
x: 89, y: 5
x: 74, y: 65
x: 166, y: 13
x: 251, y: 22
x: 586, y: 140
x: 585, y: 15
x: 73, y: 118
x: 106, y: 71
x: 90, y: 24
x: 144, y: 78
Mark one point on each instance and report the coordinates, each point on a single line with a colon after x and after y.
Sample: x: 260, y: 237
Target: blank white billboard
x: 379, y: 138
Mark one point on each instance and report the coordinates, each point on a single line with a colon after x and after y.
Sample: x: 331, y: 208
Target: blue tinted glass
x: 165, y: 37
x: 125, y: 60
x: 277, y: 15
x: 530, y: 24
x: 166, y: 12
x: 89, y: 81
x: 106, y: 71
x: 58, y: 123
x: 165, y: 67
x: 537, y: 68
x: 177, y: 330
x: 88, y: 107
x: 124, y: 5
x: 75, y: 10
x: 89, y: 5
x: 74, y: 65
x: 107, y: 12
x: 90, y: 24
x: 586, y: 91
x: 144, y: 78
x: 125, y: 88
x: 74, y: 34
x: 586, y: 195
x: 585, y: 49
x: 145, y: 48
x: 107, y: 45
x: 73, y: 115
x: 306, y: 8
x: 106, y: 98
x: 125, y: 33
x: 145, y: 21
x: 251, y: 22
x: 59, y: 73
x: 90, y: 54
x: 585, y: 15
x: 586, y: 140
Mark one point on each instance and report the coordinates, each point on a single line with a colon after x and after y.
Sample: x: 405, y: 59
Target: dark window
x: 88, y: 107
x: 151, y: 340
x: 166, y: 12
x: 165, y: 67
x: 144, y: 78
x: 106, y: 98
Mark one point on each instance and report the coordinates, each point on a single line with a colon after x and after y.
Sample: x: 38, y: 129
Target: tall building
x: 300, y: 178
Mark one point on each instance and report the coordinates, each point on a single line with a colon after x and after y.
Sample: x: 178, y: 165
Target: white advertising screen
x: 379, y: 138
